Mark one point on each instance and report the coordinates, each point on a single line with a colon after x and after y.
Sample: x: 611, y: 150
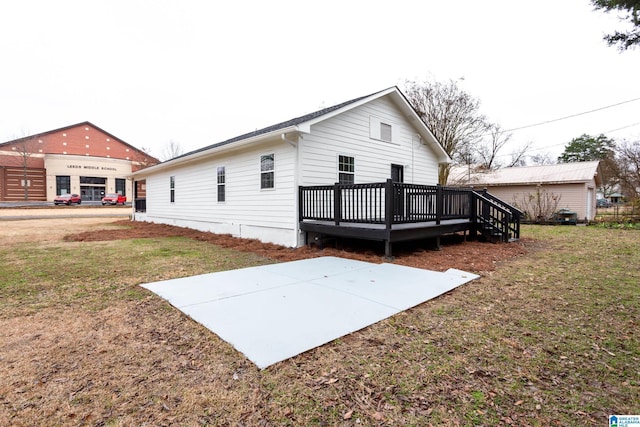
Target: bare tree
x: 538, y: 206
x: 452, y: 115
x: 171, y: 150
x: 467, y: 154
x: 488, y: 151
x: 26, y: 148
x: 542, y: 159
x: 628, y: 160
x: 519, y: 155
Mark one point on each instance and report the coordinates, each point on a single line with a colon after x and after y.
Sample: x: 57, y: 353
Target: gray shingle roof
x: 281, y: 125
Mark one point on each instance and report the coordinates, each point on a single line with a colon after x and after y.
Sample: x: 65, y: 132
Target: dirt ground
x: 455, y: 252
x: 75, y: 223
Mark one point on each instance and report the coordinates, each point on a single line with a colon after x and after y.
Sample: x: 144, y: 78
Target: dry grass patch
x: 547, y: 338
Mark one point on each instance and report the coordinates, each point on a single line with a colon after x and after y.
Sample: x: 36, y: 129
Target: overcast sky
x: 199, y: 72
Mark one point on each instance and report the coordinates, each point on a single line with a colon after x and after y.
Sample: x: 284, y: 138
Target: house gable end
x: 85, y: 139
x: 302, y: 124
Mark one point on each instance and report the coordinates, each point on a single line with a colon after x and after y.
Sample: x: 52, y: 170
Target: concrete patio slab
x: 274, y: 312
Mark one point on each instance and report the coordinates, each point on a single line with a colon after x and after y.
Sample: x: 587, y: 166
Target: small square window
x: 385, y: 132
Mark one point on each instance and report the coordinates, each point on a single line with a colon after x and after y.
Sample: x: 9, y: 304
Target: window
x: 346, y: 169
x: 63, y: 185
x: 221, y: 183
x: 267, y: 177
x: 121, y: 187
x: 95, y: 180
x: 385, y: 132
x: 172, y: 189
x: 382, y: 130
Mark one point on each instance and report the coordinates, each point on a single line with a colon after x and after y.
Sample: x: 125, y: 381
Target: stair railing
x: 495, y: 218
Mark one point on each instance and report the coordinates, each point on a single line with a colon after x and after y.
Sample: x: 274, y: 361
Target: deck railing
x: 383, y: 203
x: 390, y: 203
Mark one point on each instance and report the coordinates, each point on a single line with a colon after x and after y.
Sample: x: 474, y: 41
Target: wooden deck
x: 395, y: 212
x: 378, y: 232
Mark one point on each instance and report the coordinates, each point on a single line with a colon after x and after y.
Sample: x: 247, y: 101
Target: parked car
x: 114, y: 199
x: 67, y: 199
x: 603, y: 203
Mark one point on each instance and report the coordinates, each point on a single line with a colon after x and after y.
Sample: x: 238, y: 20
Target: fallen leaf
x: 519, y: 402
x: 348, y: 415
x: 378, y: 416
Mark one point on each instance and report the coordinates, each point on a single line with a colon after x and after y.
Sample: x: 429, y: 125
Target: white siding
x: 269, y: 215
x: 349, y: 134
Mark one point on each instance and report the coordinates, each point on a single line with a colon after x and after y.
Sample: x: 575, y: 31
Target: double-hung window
x: 221, y: 183
x: 267, y: 171
x: 346, y: 169
x: 172, y: 189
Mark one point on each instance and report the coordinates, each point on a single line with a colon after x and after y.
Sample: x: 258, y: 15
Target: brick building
x: 80, y: 158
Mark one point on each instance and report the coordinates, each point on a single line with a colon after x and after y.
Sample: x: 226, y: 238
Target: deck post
x: 473, y: 202
x: 300, y: 203
x: 389, y: 204
x: 439, y: 203
x: 387, y: 249
x: 337, y: 203
x: 485, y: 206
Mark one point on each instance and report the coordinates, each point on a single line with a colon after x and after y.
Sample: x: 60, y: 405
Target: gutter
x: 201, y: 154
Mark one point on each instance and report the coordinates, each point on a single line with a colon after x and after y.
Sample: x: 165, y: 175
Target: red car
x: 114, y: 199
x: 67, y: 199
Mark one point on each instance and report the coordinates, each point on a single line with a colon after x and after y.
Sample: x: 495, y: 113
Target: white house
x: 248, y: 186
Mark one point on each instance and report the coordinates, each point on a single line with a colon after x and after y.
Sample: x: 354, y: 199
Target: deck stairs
x: 496, y: 220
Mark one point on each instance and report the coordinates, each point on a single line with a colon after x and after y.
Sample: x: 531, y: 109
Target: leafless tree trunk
x: 488, y: 151
x: 519, y: 155
x: 628, y: 157
x: 26, y: 148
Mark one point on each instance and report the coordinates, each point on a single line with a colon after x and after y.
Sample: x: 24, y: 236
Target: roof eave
x: 200, y: 155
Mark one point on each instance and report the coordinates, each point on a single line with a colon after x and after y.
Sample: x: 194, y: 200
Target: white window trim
x: 338, y: 171
x: 374, y: 130
x: 224, y: 184
x: 272, y: 153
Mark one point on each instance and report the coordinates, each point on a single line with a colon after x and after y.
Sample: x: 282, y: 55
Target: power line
x: 623, y: 127
x: 571, y: 116
x: 565, y: 143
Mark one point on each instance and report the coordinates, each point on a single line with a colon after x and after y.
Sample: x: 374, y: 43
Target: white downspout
x: 296, y: 180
